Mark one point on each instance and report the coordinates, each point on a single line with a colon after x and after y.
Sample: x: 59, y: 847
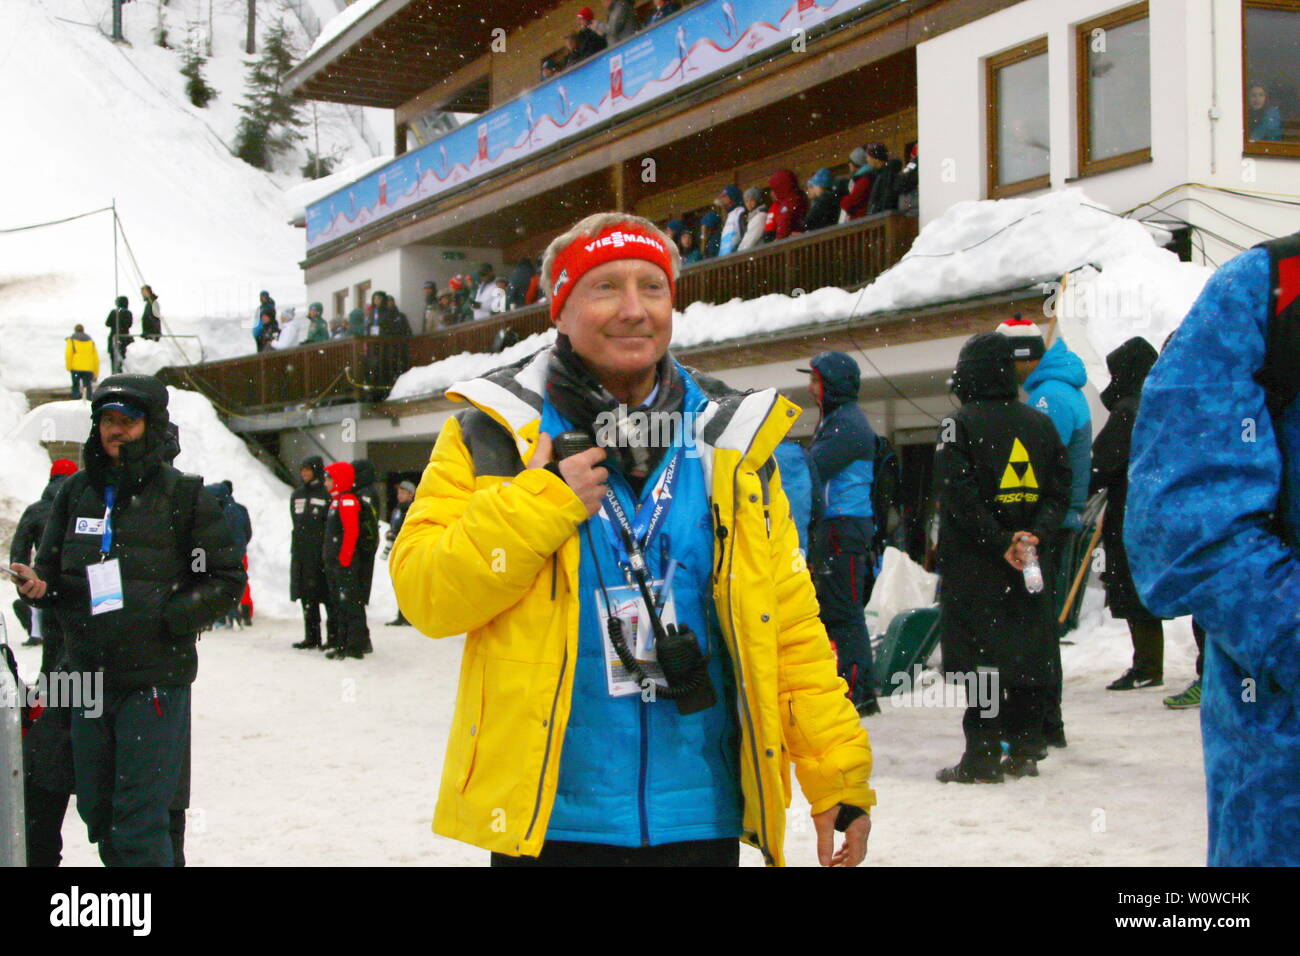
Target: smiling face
x: 619, y: 318
x: 116, y: 429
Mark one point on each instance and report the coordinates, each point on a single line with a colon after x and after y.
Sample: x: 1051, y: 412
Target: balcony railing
x: 358, y: 370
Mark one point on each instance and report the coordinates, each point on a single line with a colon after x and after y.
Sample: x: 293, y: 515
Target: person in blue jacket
x: 844, y: 453
x: 1212, y: 525
x: 1053, y: 381
x: 799, y: 478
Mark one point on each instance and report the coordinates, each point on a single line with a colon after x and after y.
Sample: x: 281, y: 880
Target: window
x: 1015, y: 84
x: 1113, y: 59
x: 1270, y: 88
x: 362, y: 293
x: 341, y: 304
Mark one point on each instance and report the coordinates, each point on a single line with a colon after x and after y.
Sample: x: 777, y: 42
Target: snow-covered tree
x: 270, y: 123
x: 196, y: 85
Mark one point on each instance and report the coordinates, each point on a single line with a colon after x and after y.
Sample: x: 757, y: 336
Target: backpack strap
x: 1280, y: 373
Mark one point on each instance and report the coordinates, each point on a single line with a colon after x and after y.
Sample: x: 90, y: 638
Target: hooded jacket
x: 166, y: 602
x: 80, y: 354
x: 520, y: 603
x: 858, y: 200
x: 1001, y: 469
x: 884, y: 188
x: 1129, y: 365
x: 1213, y: 528
x: 789, y: 205
x: 843, y: 451
x: 1055, y: 388
x: 309, y: 506
x: 236, y: 515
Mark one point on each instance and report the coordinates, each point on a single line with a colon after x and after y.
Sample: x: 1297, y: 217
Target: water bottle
x: 1033, y: 573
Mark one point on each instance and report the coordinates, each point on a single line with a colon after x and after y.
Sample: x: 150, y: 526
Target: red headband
x: 622, y: 240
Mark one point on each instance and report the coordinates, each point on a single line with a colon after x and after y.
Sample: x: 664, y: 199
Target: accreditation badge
x: 638, y: 634
x: 105, y: 586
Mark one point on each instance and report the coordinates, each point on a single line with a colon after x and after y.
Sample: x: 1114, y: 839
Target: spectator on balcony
x: 587, y: 41
x: 710, y: 234
x: 689, y: 249
x: 732, y: 205
x: 856, y: 203
x: 487, y: 277
x: 884, y: 185
x: 535, y: 292
x: 909, y: 201
x: 394, y: 320
x: 316, y: 330
x: 293, y: 329
x: 375, y: 313
x: 1264, y: 121
x: 825, y: 208
x: 789, y: 206
x: 462, y: 303
x: 755, y: 219
x: 356, y: 327
x: 620, y: 20
x: 663, y: 9
x: 338, y: 328
x: 150, y: 315
x: 119, y: 332
x: 674, y: 229
x: 430, y: 320
x: 521, y: 276
x: 267, y: 329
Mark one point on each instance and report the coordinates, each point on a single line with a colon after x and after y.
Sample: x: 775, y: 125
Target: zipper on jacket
x: 642, y: 811
x: 720, y: 531
x: 550, y: 733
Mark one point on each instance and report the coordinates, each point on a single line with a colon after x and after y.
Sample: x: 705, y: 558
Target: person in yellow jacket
x: 572, y: 742
x: 81, y: 358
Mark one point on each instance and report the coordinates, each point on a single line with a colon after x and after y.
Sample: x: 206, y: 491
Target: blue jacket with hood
x: 1055, y: 388
x: 844, y: 455
x: 1212, y: 528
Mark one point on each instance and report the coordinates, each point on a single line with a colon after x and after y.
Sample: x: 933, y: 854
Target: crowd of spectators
x: 739, y: 221
x: 592, y: 35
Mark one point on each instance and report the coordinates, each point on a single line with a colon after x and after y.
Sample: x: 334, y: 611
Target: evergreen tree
x: 317, y: 167
x: 196, y: 85
x: 270, y: 123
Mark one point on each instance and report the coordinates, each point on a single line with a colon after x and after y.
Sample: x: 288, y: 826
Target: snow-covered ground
x: 103, y: 122
x: 299, y: 760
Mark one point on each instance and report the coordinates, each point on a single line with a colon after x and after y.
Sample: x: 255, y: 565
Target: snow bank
x: 1127, y: 285
x: 337, y: 24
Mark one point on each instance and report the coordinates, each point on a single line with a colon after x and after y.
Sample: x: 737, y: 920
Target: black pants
x: 688, y: 853
x: 311, y: 622
x: 1148, y: 646
x: 45, y: 810
x: 346, y: 606
x: 81, y: 384
x: 1198, y: 634
x: 129, y: 762
x: 1019, y: 721
x: 843, y: 582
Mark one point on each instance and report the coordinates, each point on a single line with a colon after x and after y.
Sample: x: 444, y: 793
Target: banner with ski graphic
x: 706, y: 38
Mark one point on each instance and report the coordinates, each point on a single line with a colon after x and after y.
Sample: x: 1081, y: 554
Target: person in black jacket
x: 884, y: 186
x: 26, y: 539
x: 589, y: 42
x: 366, y: 490
x: 1004, y: 482
x: 241, y: 530
x: 119, y: 323
x: 405, y: 495
x: 309, y: 506
x: 1129, y: 365
x: 135, y: 561
x: 151, y: 317
x: 825, y: 208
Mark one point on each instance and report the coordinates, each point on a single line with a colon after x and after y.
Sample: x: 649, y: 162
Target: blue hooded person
x: 843, y: 452
x: 1211, y: 529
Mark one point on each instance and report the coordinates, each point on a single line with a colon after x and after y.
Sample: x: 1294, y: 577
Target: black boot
x: 964, y: 773
x: 307, y: 644
x: 1020, y: 766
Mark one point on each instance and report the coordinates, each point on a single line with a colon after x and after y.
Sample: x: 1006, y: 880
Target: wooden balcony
x: 362, y: 370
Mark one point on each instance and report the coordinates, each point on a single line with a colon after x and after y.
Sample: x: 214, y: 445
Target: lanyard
x: 106, y: 542
x: 630, y: 538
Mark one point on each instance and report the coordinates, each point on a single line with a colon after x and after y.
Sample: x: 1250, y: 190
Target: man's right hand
x: 32, y: 586
x: 583, y: 472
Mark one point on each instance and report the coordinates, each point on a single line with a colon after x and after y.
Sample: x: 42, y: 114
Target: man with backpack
x: 844, y: 453
x: 135, y: 561
x: 1212, y: 529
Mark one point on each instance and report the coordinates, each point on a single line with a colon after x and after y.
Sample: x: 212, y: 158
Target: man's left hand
x: 854, y: 849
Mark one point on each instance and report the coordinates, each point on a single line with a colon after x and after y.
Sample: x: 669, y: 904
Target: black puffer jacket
x: 31, y: 526
x: 1128, y: 365
x: 309, y: 506
x: 1001, y: 469
x: 166, y: 601
x: 367, y: 490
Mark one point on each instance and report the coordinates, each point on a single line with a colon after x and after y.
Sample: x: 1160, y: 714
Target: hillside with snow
x: 103, y: 122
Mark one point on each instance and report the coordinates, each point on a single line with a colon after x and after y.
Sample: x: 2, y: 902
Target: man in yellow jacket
x: 643, y: 657
x: 81, y: 358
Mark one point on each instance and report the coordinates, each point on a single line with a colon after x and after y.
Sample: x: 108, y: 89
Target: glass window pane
x: 1022, y: 120
x: 1272, y: 97
x: 1119, y: 92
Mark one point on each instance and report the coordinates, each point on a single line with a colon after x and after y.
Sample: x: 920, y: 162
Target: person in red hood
x: 342, y: 530
x: 789, y: 206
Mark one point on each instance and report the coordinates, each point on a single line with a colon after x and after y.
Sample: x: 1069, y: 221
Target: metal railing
x: 363, y: 369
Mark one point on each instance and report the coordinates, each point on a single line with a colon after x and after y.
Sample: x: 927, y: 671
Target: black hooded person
x: 1004, y: 486
x: 309, y: 507
x: 135, y: 561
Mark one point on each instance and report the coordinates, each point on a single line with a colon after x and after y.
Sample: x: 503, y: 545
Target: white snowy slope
x: 1127, y: 285
x: 101, y: 122
x: 323, y: 763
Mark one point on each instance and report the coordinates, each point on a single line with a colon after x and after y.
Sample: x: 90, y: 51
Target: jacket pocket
x: 469, y: 728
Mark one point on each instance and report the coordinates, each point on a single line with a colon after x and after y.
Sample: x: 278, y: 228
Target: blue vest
x: 637, y: 773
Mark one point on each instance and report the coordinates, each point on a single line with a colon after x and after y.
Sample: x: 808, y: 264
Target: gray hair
x: 593, y: 226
